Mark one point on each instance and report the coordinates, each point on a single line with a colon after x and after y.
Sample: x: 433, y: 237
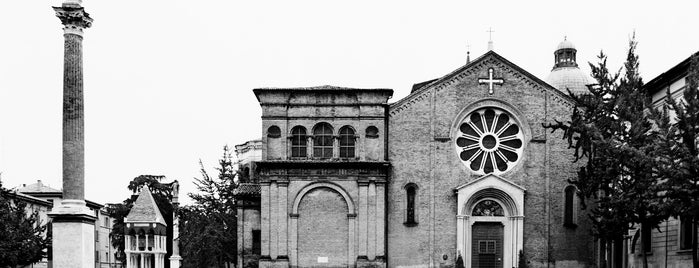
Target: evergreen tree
x: 613, y: 129
x: 522, y: 260
x: 22, y: 237
x: 459, y: 262
x: 208, y: 228
x: 680, y: 161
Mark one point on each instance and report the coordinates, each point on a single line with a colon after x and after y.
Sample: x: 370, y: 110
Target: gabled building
x: 43, y: 197
x: 670, y: 245
x: 145, y: 234
x: 459, y: 169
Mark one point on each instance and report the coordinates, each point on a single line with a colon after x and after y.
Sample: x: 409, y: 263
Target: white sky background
x: 170, y: 82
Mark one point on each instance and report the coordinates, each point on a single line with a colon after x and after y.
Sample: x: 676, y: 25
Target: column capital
x: 73, y: 17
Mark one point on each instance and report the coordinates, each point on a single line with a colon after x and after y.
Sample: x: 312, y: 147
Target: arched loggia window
x: 323, y: 141
x: 298, y: 141
x: 347, y: 141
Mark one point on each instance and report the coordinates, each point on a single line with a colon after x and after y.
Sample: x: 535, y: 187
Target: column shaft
x: 265, y: 220
x: 362, y: 219
x: 380, y: 219
x: 73, y: 119
x: 371, y: 221
x: 283, y: 219
x: 274, y: 219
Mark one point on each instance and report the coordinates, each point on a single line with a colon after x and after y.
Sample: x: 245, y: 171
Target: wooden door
x: 486, y: 245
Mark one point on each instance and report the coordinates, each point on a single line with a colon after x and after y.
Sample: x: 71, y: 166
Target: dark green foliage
x: 522, y: 260
x: 22, y: 240
x: 459, y: 262
x: 613, y: 128
x: 162, y: 193
x: 208, y: 228
x: 678, y: 143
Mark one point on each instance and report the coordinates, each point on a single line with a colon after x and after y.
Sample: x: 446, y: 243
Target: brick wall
x: 323, y: 229
x: 422, y: 151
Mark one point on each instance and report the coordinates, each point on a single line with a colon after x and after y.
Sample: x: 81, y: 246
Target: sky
x: 169, y: 83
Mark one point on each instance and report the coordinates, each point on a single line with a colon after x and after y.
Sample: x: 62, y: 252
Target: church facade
x: 460, y: 171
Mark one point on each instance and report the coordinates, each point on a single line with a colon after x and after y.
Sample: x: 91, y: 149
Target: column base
x: 364, y: 262
x: 73, y: 240
x: 175, y: 261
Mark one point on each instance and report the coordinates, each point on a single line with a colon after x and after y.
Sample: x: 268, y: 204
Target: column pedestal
x: 175, y: 261
x: 73, y: 240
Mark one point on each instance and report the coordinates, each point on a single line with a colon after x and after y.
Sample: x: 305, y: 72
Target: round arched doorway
x: 490, y: 223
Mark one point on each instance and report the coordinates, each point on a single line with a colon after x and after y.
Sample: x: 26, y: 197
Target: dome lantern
x: 564, y: 56
x: 566, y: 75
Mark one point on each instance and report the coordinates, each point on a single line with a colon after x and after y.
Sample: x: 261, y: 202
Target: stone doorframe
x: 510, y: 196
x: 294, y: 215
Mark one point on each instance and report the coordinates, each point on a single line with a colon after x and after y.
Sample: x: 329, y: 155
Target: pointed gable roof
x: 145, y: 209
x: 419, y: 89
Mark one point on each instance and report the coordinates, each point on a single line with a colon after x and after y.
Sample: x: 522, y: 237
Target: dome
x: 563, y: 78
x: 565, y: 44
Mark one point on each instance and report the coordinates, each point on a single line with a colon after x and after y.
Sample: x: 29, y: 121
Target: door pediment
x: 511, y: 197
x: 504, y: 190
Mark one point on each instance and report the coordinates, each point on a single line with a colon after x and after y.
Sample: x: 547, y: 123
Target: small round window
x: 489, y: 140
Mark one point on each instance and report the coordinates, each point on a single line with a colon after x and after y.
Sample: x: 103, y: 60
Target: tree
x: 680, y: 161
x: 459, y: 262
x: 523, y: 263
x: 22, y: 237
x: 208, y: 228
x: 162, y: 193
x: 613, y: 128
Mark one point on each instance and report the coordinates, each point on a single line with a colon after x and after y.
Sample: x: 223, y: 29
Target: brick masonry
x: 358, y: 205
x: 422, y: 151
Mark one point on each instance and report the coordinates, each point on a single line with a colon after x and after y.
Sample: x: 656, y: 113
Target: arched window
x: 634, y: 241
x: 410, y: 215
x: 569, y: 207
x: 646, y: 238
x: 323, y: 141
x: 298, y: 141
x: 141, y: 240
x: 274, y: 132
x: 686, y: 232
x: 151, y: 239
x: 488, y: 208
x: 372, y: 132
x: 347, y: 141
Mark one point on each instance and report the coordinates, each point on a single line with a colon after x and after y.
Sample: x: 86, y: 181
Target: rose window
x: 489, y: 141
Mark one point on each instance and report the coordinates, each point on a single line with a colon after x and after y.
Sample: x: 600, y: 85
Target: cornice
x: 489, y: 59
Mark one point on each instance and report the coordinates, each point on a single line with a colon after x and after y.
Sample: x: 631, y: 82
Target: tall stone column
x: 73, y: 223
x: 175, y: 259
